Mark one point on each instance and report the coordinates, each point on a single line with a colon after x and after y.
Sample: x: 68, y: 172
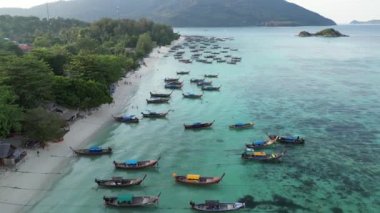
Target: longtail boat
x: 119, y: 182
x: 173, y: 86
x: 204, y: 83
x: 154, y: 114
x: 211, y: 75
x: 199, y: 125
x: 128, y: 200
x: 134, y: 164
x: 157, y: 100
x: 250, y: 154
x: 210, y: 88
x: 195, y: 179
x: 160, y: 95
x: 183, y: 72
x: 242, y: 125
x: 192, y: 96
x: 92, y: 151
x: 171, y: 80
x: 261, y: 144
x: 196, y: 80
x: 288, y: 139
x: 126, y: 119
x: 216, y: 206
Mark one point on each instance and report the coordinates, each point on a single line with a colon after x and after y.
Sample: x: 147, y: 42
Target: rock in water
x: 330, y: 32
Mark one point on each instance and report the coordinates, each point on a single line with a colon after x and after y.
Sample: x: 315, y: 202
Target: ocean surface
x: 326, y: 90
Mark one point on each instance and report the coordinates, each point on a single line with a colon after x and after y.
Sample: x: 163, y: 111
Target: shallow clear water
x: 326, y: 90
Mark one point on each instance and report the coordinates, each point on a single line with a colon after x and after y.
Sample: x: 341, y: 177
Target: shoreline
x: 25, y: 185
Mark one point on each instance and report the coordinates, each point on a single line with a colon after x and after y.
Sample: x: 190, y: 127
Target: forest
x: 71, y: 63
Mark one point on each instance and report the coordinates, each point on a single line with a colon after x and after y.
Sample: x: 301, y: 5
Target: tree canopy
x: 72, y: 63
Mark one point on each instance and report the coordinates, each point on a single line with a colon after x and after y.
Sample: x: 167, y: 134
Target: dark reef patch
x: 283, y: 203
x: 336, y: 210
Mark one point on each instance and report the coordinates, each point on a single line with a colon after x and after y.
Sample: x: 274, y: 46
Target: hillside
x: 184, y: 13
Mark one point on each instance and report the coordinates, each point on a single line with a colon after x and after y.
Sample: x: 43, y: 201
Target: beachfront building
x: 10, y: 155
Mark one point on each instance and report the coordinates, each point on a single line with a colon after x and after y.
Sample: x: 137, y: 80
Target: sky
x: 341, y: 11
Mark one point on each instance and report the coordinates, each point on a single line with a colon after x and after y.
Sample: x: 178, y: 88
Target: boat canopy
x: 95, y: 149
x: 128, y: 117
x: 212, y: 203
x: 125, y: 198
x: 131, y: 162
x: 193, y: 177
x: 259, y: 142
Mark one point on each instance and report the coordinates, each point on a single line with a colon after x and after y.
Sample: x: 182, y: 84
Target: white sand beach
x: 23, y: 186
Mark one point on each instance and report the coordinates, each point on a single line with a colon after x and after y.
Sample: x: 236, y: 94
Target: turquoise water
x: 326, y: 90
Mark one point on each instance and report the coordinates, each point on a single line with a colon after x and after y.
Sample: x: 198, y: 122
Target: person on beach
x: 38, y: 153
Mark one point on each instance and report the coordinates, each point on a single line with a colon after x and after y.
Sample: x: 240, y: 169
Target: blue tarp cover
x: 259, y: 142
x: 95, y: 149
x: 128, y: 117
x: 131, y: 162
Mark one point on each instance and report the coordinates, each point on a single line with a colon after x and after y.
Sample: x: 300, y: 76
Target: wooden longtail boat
x: 210, y: 88
x: 261, y: 144
x: 211, y: 75
x: 134, y: 164
x: 216, y: 206
x: 128, y: 200
x: 92, y: 151
x: 119, y: 182
x: 204, y: 83
x: 197, y: 179
x: 192, y: 96
x: 171, y: 80
x: 126, y: 119
x: 242, y: 125
x: 160, y: 95
x: 198, y: 125
x: 250, y: 154
x: 183, y: 72
x: 155, y: 114
x: 288, y: 139
x: 157, y: 100
x: 196, y: 80
x: 173, y: 86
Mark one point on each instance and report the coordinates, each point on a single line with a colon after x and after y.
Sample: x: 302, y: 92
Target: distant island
x: 183, y: 13
x: 365, y: 22
x: 330, y: 32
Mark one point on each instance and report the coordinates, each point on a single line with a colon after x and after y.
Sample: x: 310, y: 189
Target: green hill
x: 183, y: 13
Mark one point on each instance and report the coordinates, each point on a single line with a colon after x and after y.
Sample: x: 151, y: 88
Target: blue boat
x: 288, y: 139
x: 126, y: 119
x: 260, y: 144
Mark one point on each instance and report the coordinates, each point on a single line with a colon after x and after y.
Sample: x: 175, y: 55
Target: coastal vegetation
x: 330, y: 32
x: 68, y: 62
x: 184, y: 13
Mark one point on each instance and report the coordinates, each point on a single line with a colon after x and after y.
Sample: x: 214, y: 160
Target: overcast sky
x: 341, y: 11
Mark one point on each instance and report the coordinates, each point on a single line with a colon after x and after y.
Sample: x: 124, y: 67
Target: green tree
x: 104, y: 69
x: 144, y: 45
x: 9, y: 48
x: 78, y: 93
x: 29, y: 78
x: 56, y: 57
x: 42, y: 125
x: 10, y: 113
